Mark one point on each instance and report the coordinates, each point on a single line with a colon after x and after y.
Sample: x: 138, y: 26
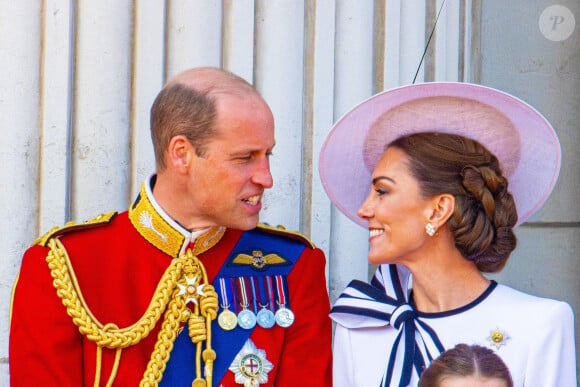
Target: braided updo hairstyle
x: 485, y: 212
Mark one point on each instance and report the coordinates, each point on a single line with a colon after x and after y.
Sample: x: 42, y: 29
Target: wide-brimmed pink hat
x: 518, y: 135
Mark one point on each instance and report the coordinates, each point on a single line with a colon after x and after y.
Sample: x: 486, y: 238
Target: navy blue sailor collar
x: 385, y: 302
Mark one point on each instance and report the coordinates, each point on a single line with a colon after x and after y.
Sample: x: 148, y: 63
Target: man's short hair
x: 190, y: 110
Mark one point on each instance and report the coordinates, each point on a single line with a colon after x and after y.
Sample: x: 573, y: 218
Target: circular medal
x: 284, y: 317
x: 251, y: 366
x: 266, y: 318
x: 227, y: 320
x: 246, y: 319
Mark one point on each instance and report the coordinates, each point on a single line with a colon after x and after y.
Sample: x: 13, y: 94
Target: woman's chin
x: 377, y: 260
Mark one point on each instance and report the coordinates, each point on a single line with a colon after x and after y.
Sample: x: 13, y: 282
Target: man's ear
x: 179, y: 153
x: 441, y: 209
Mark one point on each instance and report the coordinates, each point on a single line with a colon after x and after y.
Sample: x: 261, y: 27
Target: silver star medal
x: 250, y: 366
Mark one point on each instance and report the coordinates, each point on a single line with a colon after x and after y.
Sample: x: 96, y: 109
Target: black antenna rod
x: 428, y: 41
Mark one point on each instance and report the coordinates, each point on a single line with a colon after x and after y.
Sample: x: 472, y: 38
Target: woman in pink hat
x: 441, y: 174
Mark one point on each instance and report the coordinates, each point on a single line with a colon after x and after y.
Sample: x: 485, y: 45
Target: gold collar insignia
x: 162, y: 231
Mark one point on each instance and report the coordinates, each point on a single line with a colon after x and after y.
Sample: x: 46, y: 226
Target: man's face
x: 226, y: 184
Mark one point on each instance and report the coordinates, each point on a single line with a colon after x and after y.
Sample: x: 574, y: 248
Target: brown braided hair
x: 485, y: 212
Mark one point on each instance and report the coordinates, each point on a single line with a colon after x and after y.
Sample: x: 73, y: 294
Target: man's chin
x: 248, y: 223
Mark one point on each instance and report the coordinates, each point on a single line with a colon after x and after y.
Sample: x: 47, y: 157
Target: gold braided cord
x: 193, y: 286
x: 176, y: 312
x: 115, y: 367
x: 98, y: 367
x: 66, y: 284
x: 209, y: 308
x: 113, y: 375
x: 187, y: 272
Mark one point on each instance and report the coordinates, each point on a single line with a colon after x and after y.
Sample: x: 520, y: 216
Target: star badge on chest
x: 192, y: 289
x: 497, y: 338
x: 250, y: 366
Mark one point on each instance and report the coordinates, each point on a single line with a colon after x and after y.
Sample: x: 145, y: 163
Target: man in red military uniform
x: 184, y: 288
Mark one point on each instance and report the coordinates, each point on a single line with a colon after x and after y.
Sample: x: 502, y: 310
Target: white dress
x: 534, y: 336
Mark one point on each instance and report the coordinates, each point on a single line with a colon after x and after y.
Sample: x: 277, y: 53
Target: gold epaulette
x: 73, y: 226
x: 281, y: 230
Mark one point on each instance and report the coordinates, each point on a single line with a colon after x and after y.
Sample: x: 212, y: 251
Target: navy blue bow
x: 384, y: 302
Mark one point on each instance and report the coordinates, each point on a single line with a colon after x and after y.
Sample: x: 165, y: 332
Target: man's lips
x: 253, y: 200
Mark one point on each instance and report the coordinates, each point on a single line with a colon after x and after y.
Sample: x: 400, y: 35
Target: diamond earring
x: 430, y: 229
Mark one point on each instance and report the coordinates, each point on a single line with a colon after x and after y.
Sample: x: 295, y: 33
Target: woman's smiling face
x: 395, y: 210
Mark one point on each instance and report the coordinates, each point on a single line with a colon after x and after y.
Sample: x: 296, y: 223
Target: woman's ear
x: 442, y: 207
x: 179, y: 153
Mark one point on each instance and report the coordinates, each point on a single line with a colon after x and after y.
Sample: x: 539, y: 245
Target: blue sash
x: 180, y: 369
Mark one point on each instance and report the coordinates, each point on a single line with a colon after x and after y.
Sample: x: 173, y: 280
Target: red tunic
x: 118, y: 271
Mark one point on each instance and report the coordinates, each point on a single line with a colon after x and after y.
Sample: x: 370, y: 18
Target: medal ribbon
x: 264, y: 300
x: 280, y: 288
x: 254, y: 298
x: 225, y: 293
x: 231, y: 291
x: 268, y: 280
x: 244, y: 302
x: 384, y: 302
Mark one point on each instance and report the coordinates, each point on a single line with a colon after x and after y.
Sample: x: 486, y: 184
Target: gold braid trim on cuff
x: 185, y: 280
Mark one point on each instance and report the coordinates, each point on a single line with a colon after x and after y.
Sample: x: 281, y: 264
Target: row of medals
x: 247, y: 319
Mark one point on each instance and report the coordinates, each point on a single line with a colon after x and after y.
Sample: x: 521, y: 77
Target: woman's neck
x: 445, y: 281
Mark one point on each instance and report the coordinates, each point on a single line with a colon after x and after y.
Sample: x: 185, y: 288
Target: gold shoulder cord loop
x: 184, y: 280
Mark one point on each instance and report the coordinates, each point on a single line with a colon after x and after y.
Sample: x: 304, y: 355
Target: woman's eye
x: 381, y: 191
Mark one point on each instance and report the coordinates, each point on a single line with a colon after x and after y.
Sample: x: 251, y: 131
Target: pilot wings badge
x: 258, y: 260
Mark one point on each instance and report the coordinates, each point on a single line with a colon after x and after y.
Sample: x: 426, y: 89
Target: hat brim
x: 524, y: 142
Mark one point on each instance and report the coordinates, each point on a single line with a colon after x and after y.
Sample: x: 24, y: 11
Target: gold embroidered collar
x: 163, y: 232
